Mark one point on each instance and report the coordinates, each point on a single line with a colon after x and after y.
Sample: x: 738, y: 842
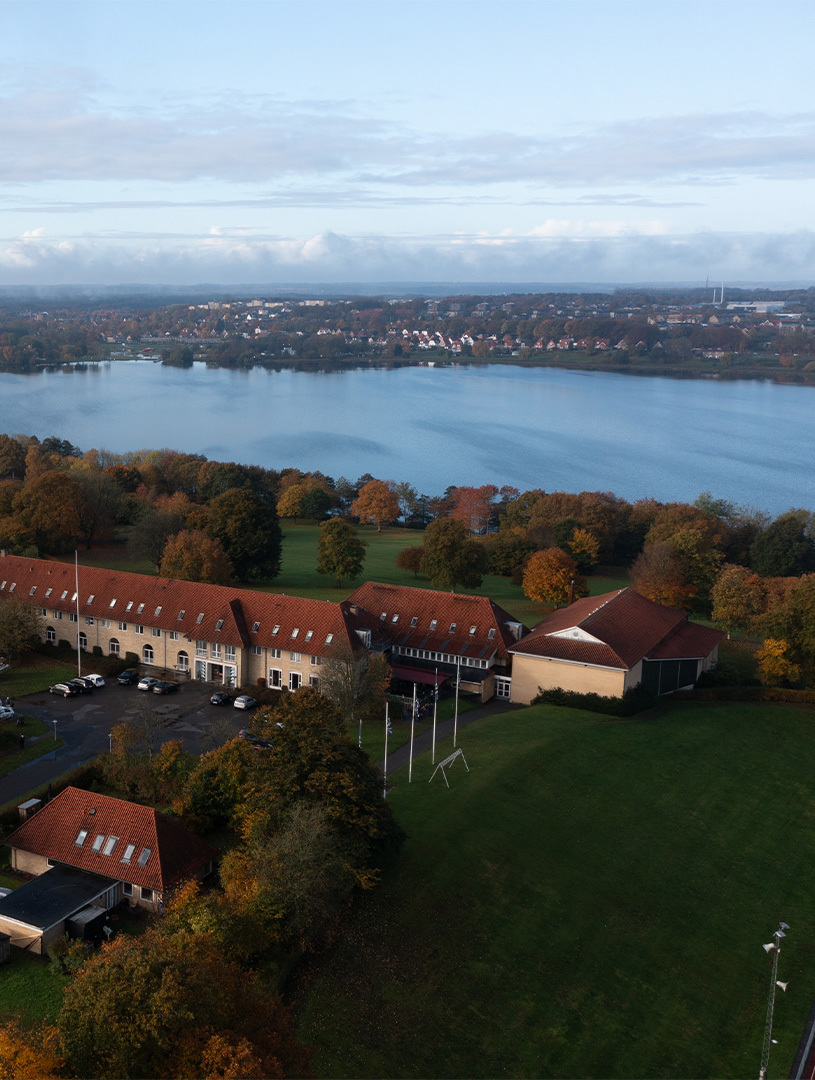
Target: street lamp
x: 55, y: 729
x: 773, y: 947
x: 110, y: 742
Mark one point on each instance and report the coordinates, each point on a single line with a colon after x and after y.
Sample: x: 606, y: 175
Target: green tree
x: 355, y: 683
x: 151, y: 532
x: 739, y: 599
x: 20, y: 628
x: 99, y: 504
x: 249, y: 531
x: 341, y: 550
x: 785, y: 548
x: 450, y: 557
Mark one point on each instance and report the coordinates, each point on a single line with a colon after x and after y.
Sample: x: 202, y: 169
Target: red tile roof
x: 397, y: 606
x: 199, y: 612
x: 617, y: 629
x: 174, y: 853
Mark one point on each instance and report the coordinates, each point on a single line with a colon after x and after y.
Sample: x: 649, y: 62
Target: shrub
x: 633, y: 701
x: 97, y: 650
x: 63, y: 644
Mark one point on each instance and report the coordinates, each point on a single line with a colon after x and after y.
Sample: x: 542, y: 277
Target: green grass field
x: 29, y: 988
x: 590, y: 900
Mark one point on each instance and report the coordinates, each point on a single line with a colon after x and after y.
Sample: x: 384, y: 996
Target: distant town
x: 711, y: 331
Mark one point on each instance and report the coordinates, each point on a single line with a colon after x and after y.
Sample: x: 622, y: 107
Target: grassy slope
x: 590, y: 900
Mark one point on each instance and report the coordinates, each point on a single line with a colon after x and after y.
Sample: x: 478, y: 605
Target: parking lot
x: 85, y: 723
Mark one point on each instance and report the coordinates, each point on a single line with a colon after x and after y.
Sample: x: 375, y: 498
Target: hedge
x: 633, y: 701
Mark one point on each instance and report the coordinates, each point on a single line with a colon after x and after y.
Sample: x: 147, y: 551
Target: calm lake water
x: 751, y: 442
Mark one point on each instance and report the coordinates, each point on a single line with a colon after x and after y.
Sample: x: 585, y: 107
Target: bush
x: 97, y: 650
x: 633, y: 701
x: 65, y: 645
x: 131, y: 660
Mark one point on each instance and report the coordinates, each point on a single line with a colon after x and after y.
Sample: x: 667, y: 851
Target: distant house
x: 610, y: 643
x: 88, y: 853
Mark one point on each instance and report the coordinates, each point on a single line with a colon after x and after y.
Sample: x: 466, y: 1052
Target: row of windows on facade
x: 440, y: 658
x: 434, y: 625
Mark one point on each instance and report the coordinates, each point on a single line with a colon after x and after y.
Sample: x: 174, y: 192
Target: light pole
x: 110, y: 742
x: 773, y: 947
x: 55, y: 729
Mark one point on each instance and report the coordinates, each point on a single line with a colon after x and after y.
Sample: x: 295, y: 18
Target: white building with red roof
x: 608, y: 644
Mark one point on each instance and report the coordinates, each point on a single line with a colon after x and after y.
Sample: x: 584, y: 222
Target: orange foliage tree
x: 658, y: 575
x: 32, y: 1054
x: 192, y: 555
x: 377, y: 504
x: 548, y: 577
x: 739, y: 599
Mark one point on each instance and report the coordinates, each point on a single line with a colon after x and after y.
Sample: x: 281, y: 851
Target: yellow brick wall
x: 531, y: 674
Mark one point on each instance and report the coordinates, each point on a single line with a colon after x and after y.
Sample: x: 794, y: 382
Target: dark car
x: 164, y: 687
x: 82, y: 685
x: 64, y: 689
x: 220, y: 697
x: 128, y: 678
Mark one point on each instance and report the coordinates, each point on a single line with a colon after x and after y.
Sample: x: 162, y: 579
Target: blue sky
x: 174, y: 142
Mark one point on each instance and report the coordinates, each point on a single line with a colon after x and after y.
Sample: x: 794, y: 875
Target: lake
x: 747, y: 441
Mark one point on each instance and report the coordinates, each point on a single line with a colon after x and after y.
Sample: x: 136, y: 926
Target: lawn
x: 589, y: 900
x: 11, y: 756
x: 33, y: 674
x: 29, y: 988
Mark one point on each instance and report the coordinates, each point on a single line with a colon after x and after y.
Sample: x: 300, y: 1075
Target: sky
x: 460, y: 141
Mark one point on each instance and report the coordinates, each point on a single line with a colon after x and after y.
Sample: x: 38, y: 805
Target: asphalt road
x: 85, y: 723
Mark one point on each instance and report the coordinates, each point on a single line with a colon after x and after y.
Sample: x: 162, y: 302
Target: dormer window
x: 181, y: 615
x: 145, y: 855
x: 452, y: 627
x: 129, y: 605
x: 158, y: 610
x: 309, y: 635
x: 47, y: 591
x: 110, y: 844
x: 472, y: 631
x: 433, y: 624
x: 395, y: 619
x: 383, y: 616
x: 3, y: 585
x: 33, y: 590
x: 112, y: 603
x: 276, y: 629
x: 128, y: 855
x: 200, y: 618
x: 63, y: 595
x: 73, y: 597
x: 491, y: 633
x: 13, y: 586
x: 219, y: 624
x: 140, y: 609
x: 329, y: 638
x: 81, y: 838
x: 295, y: 632
x: 91, y: 598
x: 414, y: 620
x: 255, y: 627
x: 97, y: 844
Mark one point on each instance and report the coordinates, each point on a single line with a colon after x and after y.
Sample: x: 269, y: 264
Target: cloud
x: 549, y: 255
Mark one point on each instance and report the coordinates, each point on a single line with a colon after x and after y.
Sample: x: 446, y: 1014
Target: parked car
x: 97, y: 680
x: 147, y: 683
x: 6, y: 712
x: 82, y: 685
x: 243, y: 701
x: 127, y: 678
x: 220, y: 697
x: 165, y: 687
x: 62, y: 689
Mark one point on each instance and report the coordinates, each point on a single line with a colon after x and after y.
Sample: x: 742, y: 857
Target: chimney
x: 571, y: 592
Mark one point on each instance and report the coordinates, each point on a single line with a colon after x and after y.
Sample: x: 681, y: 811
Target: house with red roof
x: 105, y: 851
x: 608, y: 644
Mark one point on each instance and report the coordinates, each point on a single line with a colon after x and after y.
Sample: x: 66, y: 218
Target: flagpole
x: 385, y: 769
x: 76, y: 580
x: 412, y: 725
x: 455, y: 717
x: 435, y: 708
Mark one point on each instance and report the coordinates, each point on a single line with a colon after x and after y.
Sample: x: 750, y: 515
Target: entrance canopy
x: 409, y: 674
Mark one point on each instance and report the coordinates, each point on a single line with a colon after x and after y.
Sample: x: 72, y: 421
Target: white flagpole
x: 435, y: 707
x: 76, y: 580
x: 412, y: 724
x: 455, y: 717
x: 385, y: 769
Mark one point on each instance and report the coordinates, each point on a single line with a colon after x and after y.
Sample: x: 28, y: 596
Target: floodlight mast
x: 775, y: 948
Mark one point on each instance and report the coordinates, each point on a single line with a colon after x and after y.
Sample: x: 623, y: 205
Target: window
x: 200, y: 618
x: 329, y: 639
x: 147, y: 654
x: 491, y: 633
x: 50, y: 636
x: 72, y: 617
x: 83, y: 642
x: 33, y: 590
x: 295, y: 657
x: 316, y: 660
x: 256, y: 650
x: 89, y: 620
x: 139, y: 629
x: 105, y: 624
x: 309, y: 635
x: 255, y: 627
x: 295, y: 632
x: 82, y: 837
x: 472, y: 631
x: 112, y: 603
x: 64, y: 594
x: 276, y: 629
x: 229, y: 652
x: 97, y: 844
x: 47, y: 591
x: 145, y: 855
x: 294, y: 680
x: 140, y: 609
x: 181, y: 615
x: 73, y: 598
x: 13, y: 586
x: 128, y: 855
x: 127, y: 888
x: 275, y: 654
x: 433, y: 624
x: 91, y: 598
x: 42, y: 611
x: 123, y: 627
x: 452, y: 627
x: 155, y: 632
x: 146, y: 894
x: 314, y: 682
x: 158, y: 611
x: 110, y: 844
x: 113, y: 646
x: 57, y: 614
x: 183, y: 662
x: 200, y: 648
x: 219, y: 624
x: 395, y: 619
x: 275, y: 678
x: 414, y: 620
x: 173, y: 635
x: 129, y: 605
x: 215, y: 650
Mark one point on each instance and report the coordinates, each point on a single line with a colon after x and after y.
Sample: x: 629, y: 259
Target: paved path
x: 424, y: 741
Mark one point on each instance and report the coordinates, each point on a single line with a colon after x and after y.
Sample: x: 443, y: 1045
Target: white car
x: 243, y: 701
x: 147, y: 683
x: 6, y: 713
x: 97, y: 680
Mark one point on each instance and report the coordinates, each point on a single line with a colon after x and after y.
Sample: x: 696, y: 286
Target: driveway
x: 85, y: 723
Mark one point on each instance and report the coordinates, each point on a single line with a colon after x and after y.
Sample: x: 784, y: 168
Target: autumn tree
x: 658, y: 575
x: 775, y: 664
x: 410, y: 558
x: 192, y: 555
x: 785, y: 548
x: 341, y: 550
x: 99, y: 502
x: 377, y: 504
x: 451, y: 557
x: 473, y: 506
x: 47, y: 514
x: 12, y: 458
x: 355, y: 682
x: 174, y: 1006
x: 550, y: 576
x: 30, y: 1053
x: 20, y: 628
x: 792, y: 620
x: 739, y: 599
x: 290, y: 503
x: 584, y: 547
x: 151, y: 532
